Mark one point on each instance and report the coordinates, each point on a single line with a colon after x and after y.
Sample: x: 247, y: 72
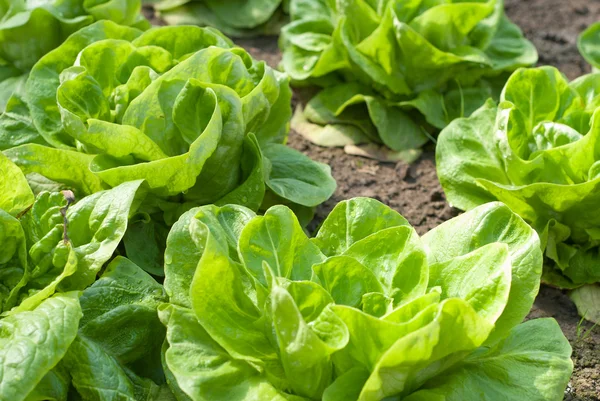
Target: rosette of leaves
x: 366, y: 310
x: 54, y: 339
x: 237, y: 18
x: 394, y: 72
x: 179, y: 107
x: 589, y: 45
x: 538, y: 151
x: 30, y: 29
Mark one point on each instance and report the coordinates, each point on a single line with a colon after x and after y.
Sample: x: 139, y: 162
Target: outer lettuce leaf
x: 292, y: 176
x: 54, y: 386
x: 234, y: 18
x: 492, y: 223
x: 9, y: 86
x: 98, y: 376
x: 397, y: 63
x: 528, y: 358
x: 365, y: 311
x: 64, y: 332
x: 537, y: 152
x: 108, y: 347
x: 228, y: 379
x: 33, y: 342
x: 16, y: 195
x: 144, y: 242
x: 61, y: 169
x: 588, y: 45
x: 16, y: 124
x: 119, y: 336
x: 586, y: 300
x: 123, y: 300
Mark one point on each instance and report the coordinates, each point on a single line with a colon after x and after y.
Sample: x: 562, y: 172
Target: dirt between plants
x: 414, y: 190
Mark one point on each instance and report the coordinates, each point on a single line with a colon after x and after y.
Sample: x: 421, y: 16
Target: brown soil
x: 413, y: 190
x: 553, y: 27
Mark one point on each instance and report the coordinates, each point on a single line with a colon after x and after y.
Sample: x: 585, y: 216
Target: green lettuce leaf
x: 586, y: 300
x: 54, y: 386
x: 115, y: 351
x: 535, y: 372
x: 16, y: 196
x: 33, y: 342
x: 218, y: 376
x: 66, y: 333
x: 484, y: 226
x: 587, y: 42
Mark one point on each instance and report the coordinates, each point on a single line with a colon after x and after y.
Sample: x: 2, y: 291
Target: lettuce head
x: 364, y: 311
x: 180, y: 107
x: 538, y: 151
x: 393, y: 72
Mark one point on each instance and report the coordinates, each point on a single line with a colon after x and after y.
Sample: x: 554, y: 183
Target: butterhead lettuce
x: 179, y: 107
x: 366, y: 310
x: 395, y: 71
x: 538, y: 151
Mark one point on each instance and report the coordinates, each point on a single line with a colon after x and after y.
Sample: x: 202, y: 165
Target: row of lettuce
x: 253, y: 309
x: 151, y: 215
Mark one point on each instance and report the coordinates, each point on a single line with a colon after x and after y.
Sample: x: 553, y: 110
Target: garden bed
x: 413, y: 190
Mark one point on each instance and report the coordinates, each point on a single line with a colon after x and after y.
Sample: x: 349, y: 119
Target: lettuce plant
x: 538, y: 151
x: 55, y: 339
x: 394, y: 70
x: 30, y: 29
x: 366, y: 310
x: 234, y: 18
x: 179, y: 107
